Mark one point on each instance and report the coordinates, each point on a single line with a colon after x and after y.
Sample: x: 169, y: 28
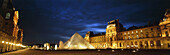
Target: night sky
x: 54, y: 20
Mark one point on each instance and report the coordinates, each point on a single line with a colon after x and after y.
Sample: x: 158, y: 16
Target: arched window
x: 146, y: 44
x: 136, y: 44
x: 158, y: 43
x: 7, y: 16
x: 120, y: 44
x: 151, y: 43
x: 140, y: 44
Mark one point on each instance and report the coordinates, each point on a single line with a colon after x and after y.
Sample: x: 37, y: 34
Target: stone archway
x: 132, y: 45
x: 146, y: 44
x: 136, y: 44
x: 141, y: 45
x: 151, y: 43
x: 158, y: 43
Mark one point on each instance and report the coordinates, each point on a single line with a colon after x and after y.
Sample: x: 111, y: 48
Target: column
x: 138, y: 44
x: 143, y: 43
x: 149, y: 44
x: 155, y: 46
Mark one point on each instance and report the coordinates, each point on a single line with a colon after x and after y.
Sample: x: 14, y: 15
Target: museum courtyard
x: 89, y: 52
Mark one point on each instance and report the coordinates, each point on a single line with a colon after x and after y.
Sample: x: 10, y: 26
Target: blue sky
x: 55, y: 20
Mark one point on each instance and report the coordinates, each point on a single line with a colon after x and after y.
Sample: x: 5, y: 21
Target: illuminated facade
x: 47, y: 46
x: 144, y: 37
x: 10, y: 34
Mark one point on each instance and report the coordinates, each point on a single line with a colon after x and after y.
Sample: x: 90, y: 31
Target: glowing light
x: 98, y: 50
x: 113, y: 50
x: 10, y: 43
x: 17, y: 44
x: 23, y: 46
x: 122, y: 49
x: 136, y: 45
x: 48, y: 47
x: 6, y: 42
x: 82, y: 47
x: 137, y: 49
x: 56, y: 47
x: 161, y: 44
x: 133, y: 51
x: 127, y: 45
x: 3, y: 41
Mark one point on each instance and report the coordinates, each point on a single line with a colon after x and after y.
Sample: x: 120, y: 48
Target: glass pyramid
x: 77, y: 42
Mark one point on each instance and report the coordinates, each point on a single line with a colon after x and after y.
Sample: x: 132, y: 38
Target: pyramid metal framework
x: 77, y: 42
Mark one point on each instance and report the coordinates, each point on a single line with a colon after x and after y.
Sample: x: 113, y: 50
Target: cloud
x: 42, y: 20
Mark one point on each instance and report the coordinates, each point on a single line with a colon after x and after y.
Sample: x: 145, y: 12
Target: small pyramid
x: 77, y: 42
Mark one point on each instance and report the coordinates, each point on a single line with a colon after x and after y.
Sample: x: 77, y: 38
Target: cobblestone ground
x: 89, y: 52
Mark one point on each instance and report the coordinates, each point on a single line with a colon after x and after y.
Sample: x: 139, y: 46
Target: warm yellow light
x: 56, y: 47
x: 113, y: 50
x: 6, y: 42
x: 82, y: 47
x: 3, y: 41
x: 133, y: 51
x: 17, y: 44
x: 23, y: 46
x: 10, y: 43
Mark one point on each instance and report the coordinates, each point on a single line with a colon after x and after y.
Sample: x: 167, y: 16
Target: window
x: 132, y: 32
x: 7, y: 16
x: 129, y: 37
x: 151, y: 29
x: 132, y: 37
x: 165, y: 26
x: 166, y: 32
x: 125, y: 38
x: 151, y: 43
x: 137, y: 36
x: 141, y: 31
x: 152, y: 35
x: 141, y: 35
x: 110, y: 39
x: 120, y: 44
x: 136, y: 31
x: 146, y: 35
x: 125, y: 33
x: 164, y: 19
x: 128, y: 33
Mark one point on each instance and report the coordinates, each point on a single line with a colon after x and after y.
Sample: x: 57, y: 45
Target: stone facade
x: 144, y: 37
x: 10, y: 33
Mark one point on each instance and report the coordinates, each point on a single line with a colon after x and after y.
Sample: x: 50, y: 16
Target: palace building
x: 155, y: 36
x: 10, y: 33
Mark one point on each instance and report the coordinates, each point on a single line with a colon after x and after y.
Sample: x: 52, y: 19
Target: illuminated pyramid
x: 77, y: 42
